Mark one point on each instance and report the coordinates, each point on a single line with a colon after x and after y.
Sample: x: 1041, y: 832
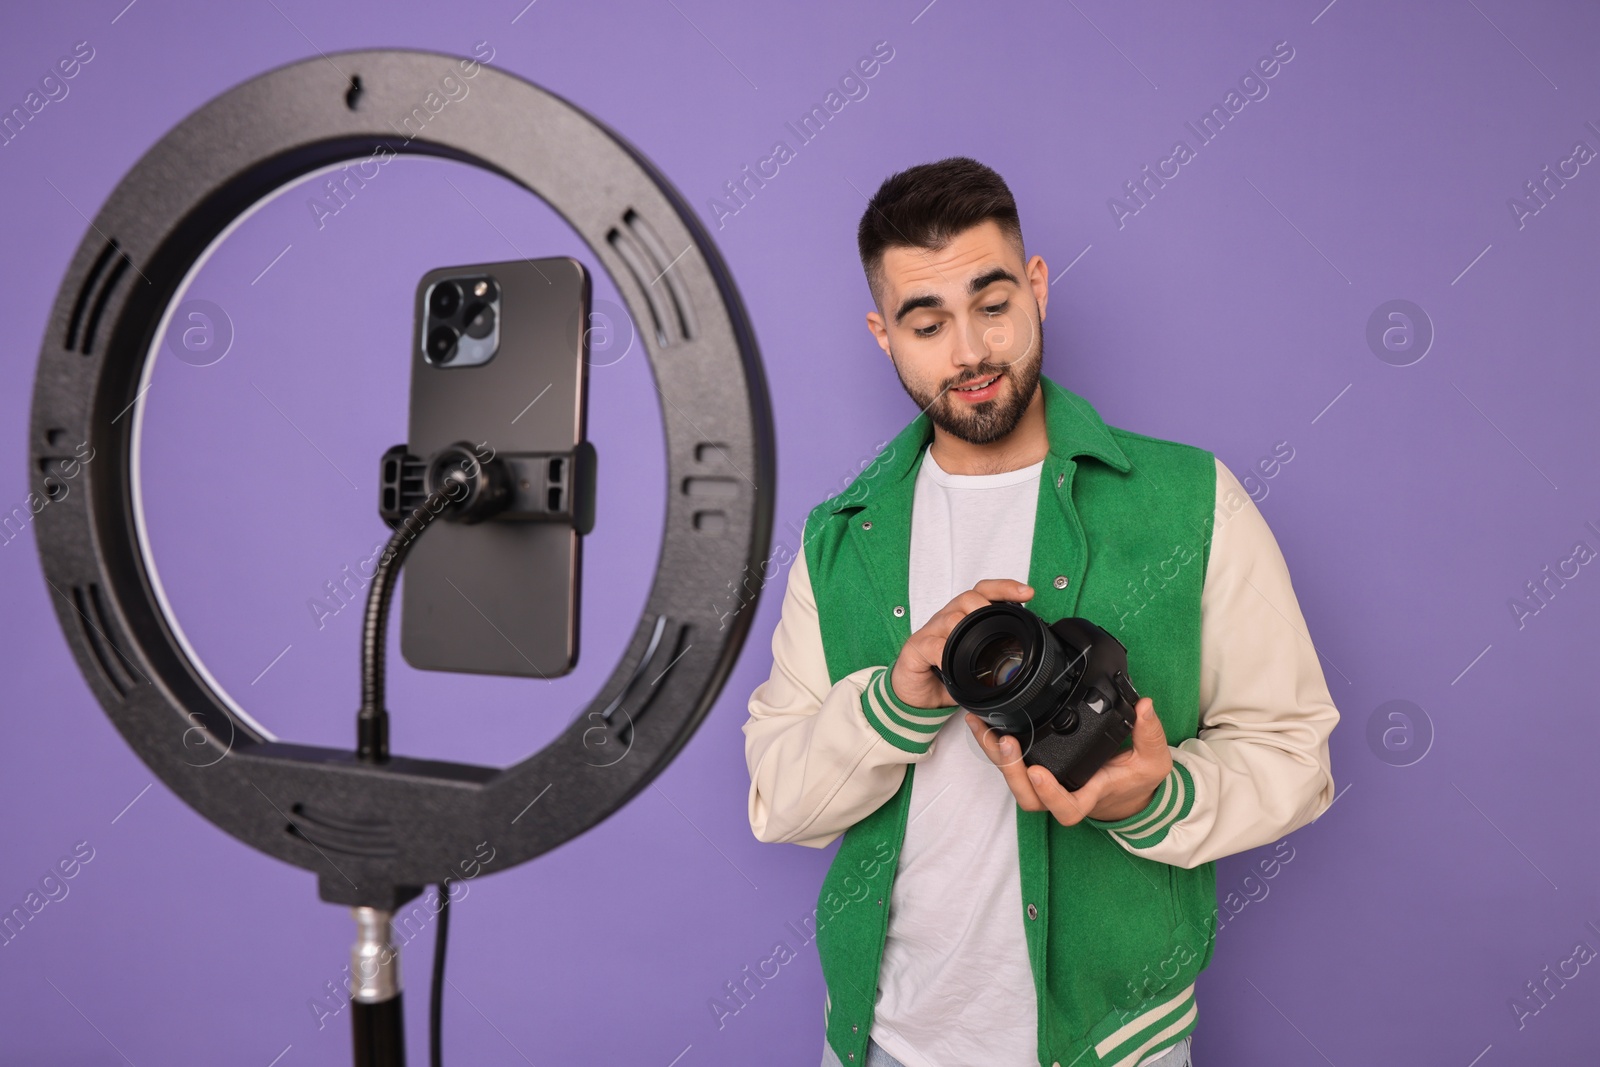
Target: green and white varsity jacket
x: 1157, y: 542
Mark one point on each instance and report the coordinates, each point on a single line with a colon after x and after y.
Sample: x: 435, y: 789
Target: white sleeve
x: 822, y: 758
x: 1259, y: 767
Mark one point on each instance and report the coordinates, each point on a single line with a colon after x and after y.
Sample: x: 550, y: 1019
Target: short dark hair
x: 926, y: 205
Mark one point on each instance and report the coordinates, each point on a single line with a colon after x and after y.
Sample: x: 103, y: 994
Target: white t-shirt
x: 955, y: 985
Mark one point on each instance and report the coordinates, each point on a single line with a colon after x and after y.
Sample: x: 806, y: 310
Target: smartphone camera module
x: 462, y: 325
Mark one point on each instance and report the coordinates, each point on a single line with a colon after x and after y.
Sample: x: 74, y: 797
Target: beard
x: 990, y: 420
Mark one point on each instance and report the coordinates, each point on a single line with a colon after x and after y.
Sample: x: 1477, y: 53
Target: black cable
x: 436, y: 1004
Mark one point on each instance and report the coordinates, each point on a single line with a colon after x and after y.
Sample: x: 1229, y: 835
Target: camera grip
x: 1074, y: 757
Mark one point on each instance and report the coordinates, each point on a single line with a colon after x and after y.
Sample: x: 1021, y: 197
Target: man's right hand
x: 912, y: 678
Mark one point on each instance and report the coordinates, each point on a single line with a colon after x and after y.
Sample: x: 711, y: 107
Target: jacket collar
x: 1073, y: 426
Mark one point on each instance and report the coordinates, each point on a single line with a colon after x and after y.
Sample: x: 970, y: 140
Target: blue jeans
x: 1176, y: 1056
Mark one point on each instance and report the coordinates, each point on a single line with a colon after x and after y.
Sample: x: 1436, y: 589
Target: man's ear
x: 880, y: 332
x: 1039, y: 282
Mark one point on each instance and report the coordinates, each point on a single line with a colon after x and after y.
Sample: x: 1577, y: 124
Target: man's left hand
x: 1122, y: 787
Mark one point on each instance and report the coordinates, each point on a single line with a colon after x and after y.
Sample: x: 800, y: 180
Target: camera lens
x: 442, y: 344
x: 1046, y: 685
x: 480, y: 321
x: 999, y: 659
x: 445, y: 300
x: 1003, y: 663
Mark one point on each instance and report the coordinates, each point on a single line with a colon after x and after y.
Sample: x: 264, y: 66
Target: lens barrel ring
x: 1024, y: 703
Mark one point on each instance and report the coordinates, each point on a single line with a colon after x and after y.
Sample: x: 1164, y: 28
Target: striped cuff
x: 1173, y: 800
x: 1160, y: 1027
x: 903, y: 726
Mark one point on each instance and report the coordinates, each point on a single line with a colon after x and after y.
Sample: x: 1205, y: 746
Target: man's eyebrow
x: 983, y: 281
x: 975, y: 286
x: 928, y: 300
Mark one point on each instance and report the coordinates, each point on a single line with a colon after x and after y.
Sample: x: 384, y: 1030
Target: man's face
x: 969, y: 314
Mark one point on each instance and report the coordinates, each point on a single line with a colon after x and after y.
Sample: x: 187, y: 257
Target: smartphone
x: 499, y: 361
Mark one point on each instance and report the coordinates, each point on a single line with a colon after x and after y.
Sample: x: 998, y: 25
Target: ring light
x: 375, y: 834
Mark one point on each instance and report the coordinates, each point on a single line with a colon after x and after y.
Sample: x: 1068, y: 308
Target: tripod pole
x: 377, y: 1019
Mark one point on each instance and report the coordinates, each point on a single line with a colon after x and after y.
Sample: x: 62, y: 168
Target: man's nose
x: 973, y: 348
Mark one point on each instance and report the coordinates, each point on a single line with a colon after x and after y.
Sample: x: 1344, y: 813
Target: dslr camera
x: 1061, y: 689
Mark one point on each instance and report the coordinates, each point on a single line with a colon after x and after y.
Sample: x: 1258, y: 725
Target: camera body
x: 1061, y: 689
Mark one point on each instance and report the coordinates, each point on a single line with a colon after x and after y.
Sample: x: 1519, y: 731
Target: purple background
x: 1231, y: 312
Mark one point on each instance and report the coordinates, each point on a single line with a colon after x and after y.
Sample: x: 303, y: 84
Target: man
x: 977, y: 912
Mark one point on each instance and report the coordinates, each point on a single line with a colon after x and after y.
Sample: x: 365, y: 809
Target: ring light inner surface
x: 309, y: 693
